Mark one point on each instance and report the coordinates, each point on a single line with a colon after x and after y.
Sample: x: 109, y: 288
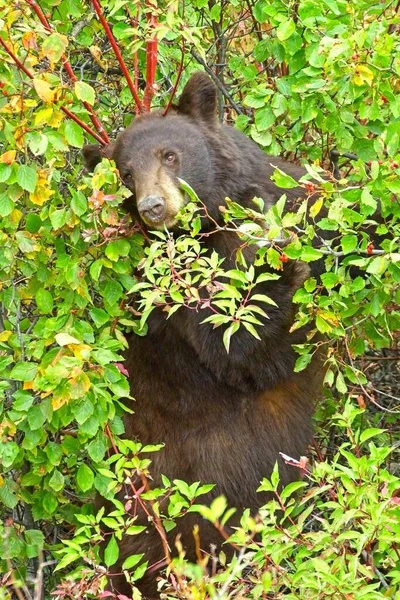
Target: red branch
x: 95, y: 120
x: 117, y: 53
x: 15, y: 59
x: 151, y: 58
x: 65, y: 110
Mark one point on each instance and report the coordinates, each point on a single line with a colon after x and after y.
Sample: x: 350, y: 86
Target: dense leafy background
x: 303, y: 79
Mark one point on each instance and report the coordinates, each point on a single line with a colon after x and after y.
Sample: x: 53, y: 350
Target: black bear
x: 224, y: 418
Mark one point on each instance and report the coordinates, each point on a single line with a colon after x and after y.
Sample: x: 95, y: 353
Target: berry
x: 370, y: 248
x: 284, y: 258
x: 384, y: 99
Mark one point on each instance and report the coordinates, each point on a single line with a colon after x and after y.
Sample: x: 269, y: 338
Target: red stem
x: 63, y: 108
x: 95, y: 120
x: 176, y: 82
x: 117, y: 53
x: 15, y: 59
x: 83, y: 125
x: 151, y: 59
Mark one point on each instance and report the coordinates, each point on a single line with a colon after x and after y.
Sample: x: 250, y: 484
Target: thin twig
x: 220, y: 86
x: 117, y: 53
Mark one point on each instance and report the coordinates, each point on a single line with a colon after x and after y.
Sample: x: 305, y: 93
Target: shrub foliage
x: 315, y: 81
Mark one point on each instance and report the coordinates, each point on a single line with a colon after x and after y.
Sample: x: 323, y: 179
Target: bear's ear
x: 199, y: 99
x: 93, y: 154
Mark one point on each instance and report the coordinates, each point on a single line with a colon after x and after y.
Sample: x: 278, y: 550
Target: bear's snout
x: 152, y: 209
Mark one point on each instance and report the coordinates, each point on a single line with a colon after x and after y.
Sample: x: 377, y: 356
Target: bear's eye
x: 127, y: 177
x: 170, y: 158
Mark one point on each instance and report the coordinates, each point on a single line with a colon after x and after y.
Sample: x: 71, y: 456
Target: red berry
x: 380, y: 162
x: 369, y: 163
x: 2, y: 84
x: 394, y: 165
x: 384, y: 99
x: 5, y: 93
x: 370, y: 248
x: 284, y: 258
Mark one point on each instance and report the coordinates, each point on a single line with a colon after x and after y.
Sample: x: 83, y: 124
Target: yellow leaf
x: 44, y: 115
x: 43, y: 90
x: 4, y: 335
x: 40, y: 195
x: 316, y: 207
x: 29, y: 41
x: 56, y: 119
x: 64, y: 339
x: 81, y: 351
x: 79, y: 386
x: 15, y: 217
x: 363, y: 75
x: 8, y: 157
x: 96, y: 52
x: 61, y: 396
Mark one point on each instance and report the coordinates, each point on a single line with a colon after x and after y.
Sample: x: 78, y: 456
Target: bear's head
x: 158, y: 150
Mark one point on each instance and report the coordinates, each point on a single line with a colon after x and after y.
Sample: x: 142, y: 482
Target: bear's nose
x: 152, y: 209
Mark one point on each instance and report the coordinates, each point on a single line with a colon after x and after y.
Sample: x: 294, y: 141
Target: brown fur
x: 224, y: 418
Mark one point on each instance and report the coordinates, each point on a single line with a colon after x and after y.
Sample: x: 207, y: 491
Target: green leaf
x: 264, y: 118
x: 302, y: 362
x: 6, y: 205
x: 97, y: 448
x: 50, y: 502
x: 27, y: 178
x: 84, y: 92
x: 285, y: 29
x: 111, y: 553
x: 131, y: 561
x: 33, y: 223
x: 74, y: 134
x: 95, y: 269
x: 58, y: 218
x: 5, y: 172
x: 349, y: 243
x: 309, y: 254
x: 56, y: 481
x: 79, y: 203
x: 85, y: 478
x: 100, y: 317
x: 24, y: 371
x: 7, y: 494
x: 117, y: 248
x: 228, y: 334
x: 282, y: 180
x: 370, y: 433
x: 44, y: 301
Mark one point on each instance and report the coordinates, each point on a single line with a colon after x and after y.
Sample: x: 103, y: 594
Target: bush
x: 314, y: 81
